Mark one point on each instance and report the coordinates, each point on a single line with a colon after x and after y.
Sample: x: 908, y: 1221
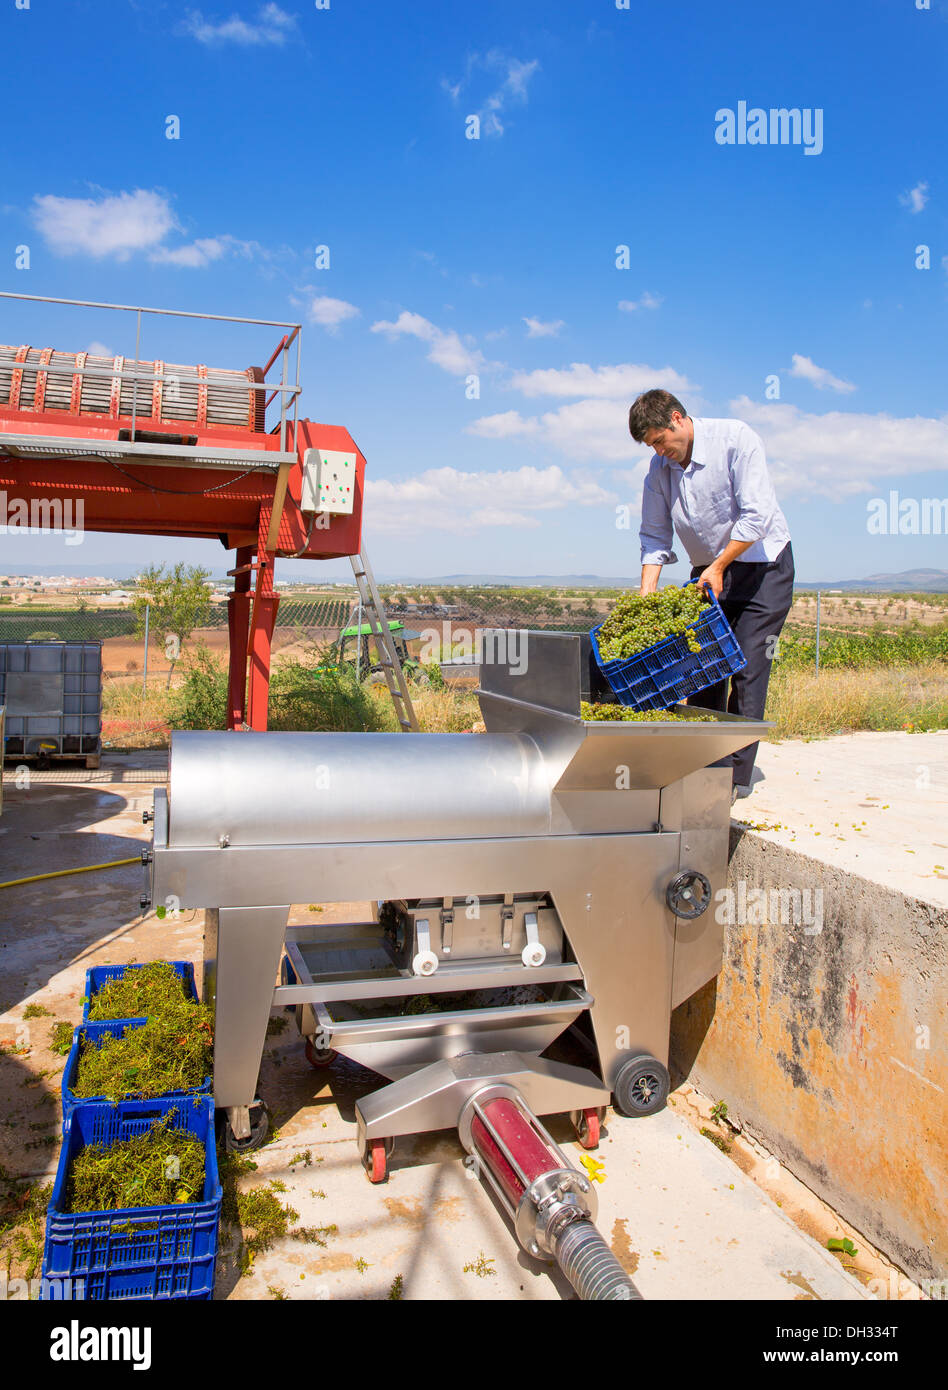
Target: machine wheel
x: 375, y: 1160
x: 259, y: 1129
x: 587, y: 1128
x: 641, y: 1086
x: 319, y: 1056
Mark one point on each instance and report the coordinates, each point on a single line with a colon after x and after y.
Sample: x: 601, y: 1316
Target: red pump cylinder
x: 510, y: 1125
x: 553, y: 1206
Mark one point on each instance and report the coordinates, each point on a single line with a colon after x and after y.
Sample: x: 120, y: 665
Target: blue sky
x: 496, y: 257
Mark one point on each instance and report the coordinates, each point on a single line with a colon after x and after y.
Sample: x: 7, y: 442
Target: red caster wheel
x: 375, y: 1160
x: 587, y: 1129
x: 319, y: 1056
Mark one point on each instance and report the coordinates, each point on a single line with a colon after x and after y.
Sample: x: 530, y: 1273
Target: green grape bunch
x: 639, y: 621
x: 613, y: 713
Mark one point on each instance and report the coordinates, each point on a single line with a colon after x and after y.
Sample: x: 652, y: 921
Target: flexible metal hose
x: 589, y: 1264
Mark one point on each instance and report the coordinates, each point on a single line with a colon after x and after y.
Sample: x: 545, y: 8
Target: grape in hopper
x: 613, y: 713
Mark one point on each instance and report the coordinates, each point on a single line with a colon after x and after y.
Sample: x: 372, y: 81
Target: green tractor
x: 357, y: 646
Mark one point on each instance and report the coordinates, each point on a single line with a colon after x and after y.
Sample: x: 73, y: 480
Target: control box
x: 329, y: 481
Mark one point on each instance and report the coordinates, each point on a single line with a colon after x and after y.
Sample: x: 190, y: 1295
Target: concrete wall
x: 830, y: 1043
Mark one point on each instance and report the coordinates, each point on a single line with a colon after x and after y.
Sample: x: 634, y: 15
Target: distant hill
x: 918, y: 581
x: 521, y: 581
x: 908, y: 581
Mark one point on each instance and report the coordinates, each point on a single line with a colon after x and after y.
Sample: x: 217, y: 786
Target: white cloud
x: 113, y: 225
x: 819, y: 377
x: 586, y: 431
x: 120, y: 224
x: 593, y: 428
x: 537, y: 329
x: 839, y: 454
x: 916, y: 198
x: 447, y: 349
x: 513, y: 87
x: 504, y: 426
x: 97, y: 349
x: 330, y: 313
x: 460, y: 502
x: 648, y: 301
x: 272, y: 26
x: 627, y: 379
x: 202, y: 252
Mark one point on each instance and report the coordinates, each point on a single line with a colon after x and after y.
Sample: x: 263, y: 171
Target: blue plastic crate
x: 98, y: 975
x: 668, y: 672
x: 165, y: 1252
x: 94, y: 1033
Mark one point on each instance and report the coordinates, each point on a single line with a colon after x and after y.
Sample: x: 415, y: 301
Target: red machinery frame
x: 138, y: 484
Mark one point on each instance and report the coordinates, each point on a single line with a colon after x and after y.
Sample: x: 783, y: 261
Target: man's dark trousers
x: 756, y: 599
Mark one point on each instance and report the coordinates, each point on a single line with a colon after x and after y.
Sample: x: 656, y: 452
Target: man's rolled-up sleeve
x: 753, y: 491
x: 656, y: 533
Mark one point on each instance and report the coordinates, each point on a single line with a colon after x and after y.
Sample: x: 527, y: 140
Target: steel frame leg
x: 262, y: 622
x: 261, y: 632
x: 238, y: 624
x: 242, y: 949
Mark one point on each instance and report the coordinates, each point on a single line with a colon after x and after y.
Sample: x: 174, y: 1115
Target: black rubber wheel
x: 319, y: 1056
x: 259, y: 1129
x: 641, y: 1086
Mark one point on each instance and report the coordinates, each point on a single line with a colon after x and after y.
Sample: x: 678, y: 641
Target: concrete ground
x: 873, y: 804
x: 681, y: 1217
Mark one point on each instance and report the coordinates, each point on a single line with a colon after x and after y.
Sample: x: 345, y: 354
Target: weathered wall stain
x: 833, y: 1048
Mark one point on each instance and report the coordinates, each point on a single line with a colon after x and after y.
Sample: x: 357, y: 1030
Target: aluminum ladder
x: 371, y: 603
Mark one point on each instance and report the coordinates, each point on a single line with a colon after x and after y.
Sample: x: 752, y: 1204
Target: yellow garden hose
x: 58, y: 873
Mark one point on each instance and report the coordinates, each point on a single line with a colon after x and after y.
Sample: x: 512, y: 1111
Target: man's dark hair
x: 652, y: 410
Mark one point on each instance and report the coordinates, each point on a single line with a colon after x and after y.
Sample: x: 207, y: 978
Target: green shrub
x: 858, y: 650
x: 305, y: 696
x: 201, y: 702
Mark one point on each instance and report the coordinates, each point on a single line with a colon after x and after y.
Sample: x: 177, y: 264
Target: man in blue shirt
x: 708, y: 482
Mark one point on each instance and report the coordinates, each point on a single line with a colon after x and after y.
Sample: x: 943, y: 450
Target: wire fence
x: 123, y: 647
x: 432, y: 622
x: 439, y: 623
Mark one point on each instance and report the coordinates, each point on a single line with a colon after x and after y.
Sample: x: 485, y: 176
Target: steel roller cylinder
x: 286, y: 789
x: 552, y: 1205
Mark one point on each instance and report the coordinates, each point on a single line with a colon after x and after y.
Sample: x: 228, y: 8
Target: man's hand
x: 712, y: 578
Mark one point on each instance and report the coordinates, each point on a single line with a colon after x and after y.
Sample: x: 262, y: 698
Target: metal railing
x: 287, y: 391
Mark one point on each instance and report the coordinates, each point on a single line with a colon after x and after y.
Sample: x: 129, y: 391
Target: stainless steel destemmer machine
x: 543, y: 897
